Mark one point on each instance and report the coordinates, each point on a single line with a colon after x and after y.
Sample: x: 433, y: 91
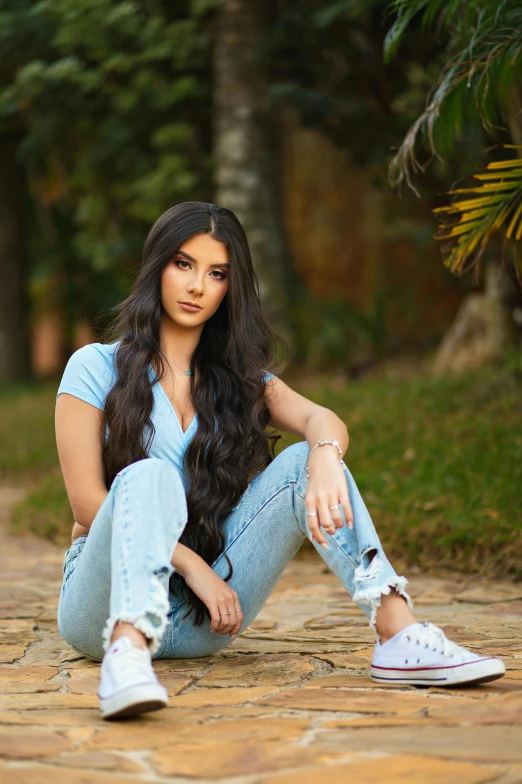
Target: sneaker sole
x: 134, y: 700
x: 456, y: 675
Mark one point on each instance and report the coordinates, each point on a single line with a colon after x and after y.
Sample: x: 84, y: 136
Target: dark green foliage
x: 114, y: 101
x: 483, y: 41
x: 480, y: 83
x: 326, y: 62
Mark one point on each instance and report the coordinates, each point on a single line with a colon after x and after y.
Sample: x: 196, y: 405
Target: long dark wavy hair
x: 237, y: 343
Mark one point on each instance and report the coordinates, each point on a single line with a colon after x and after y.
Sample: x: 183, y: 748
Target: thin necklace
x: 186, y: 372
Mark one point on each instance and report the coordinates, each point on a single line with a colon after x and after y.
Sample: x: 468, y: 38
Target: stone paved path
x: 289, y: 702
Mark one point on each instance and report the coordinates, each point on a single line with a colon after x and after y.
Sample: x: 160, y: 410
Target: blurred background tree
x: 110, y: 103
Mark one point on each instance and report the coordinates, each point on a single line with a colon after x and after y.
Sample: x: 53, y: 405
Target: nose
x: 196, y: 286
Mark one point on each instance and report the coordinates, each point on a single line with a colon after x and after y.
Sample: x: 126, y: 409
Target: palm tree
x: 480, y: 82
x: 492, y: 206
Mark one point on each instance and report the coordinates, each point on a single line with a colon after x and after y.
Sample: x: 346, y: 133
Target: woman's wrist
x: 328, y: 457
x: 327, y: 452
x: 326, y: 449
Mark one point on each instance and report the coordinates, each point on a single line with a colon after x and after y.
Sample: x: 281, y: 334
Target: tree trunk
x: 482, y: 329
x: 15, y: 349
x: 246, y: 151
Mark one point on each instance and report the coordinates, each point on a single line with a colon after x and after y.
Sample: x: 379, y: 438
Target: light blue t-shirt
x: 90, y: 375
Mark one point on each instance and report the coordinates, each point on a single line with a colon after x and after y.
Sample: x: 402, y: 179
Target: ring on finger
x: 332, y: 530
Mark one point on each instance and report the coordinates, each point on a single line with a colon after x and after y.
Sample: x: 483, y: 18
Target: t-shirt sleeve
x: 86, y: 376
x: 267, y: 376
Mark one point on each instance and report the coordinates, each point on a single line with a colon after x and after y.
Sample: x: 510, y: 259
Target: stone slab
x: 289, y: 700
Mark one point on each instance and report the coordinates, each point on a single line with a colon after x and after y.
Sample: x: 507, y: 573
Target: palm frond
x: 476, y: 81
x: 452, y: 15
x: 497, y: 209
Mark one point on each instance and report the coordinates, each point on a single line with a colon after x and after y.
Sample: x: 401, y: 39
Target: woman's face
x: 197, y: 273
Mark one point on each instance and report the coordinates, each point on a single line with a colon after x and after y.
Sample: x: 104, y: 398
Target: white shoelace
x: 434, y: 634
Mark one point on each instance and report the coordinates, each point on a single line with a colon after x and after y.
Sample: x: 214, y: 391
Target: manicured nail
x: 323, y: 544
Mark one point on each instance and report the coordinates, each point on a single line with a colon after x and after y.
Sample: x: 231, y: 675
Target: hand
x: 218, y: 597
x: 78, y: 530
x: 327, y: 486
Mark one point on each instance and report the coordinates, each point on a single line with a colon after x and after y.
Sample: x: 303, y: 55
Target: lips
x: 191, y: 305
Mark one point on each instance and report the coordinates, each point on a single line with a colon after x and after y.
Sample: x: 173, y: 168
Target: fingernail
x: 323, y: 544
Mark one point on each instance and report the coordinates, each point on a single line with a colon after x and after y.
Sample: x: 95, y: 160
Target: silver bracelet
x: 322, y: 443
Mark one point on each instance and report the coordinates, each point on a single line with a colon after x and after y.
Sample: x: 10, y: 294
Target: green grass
x: 27, y: 440
x: 438, y: 462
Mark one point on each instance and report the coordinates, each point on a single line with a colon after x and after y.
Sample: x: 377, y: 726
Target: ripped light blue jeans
x: 121, y: 570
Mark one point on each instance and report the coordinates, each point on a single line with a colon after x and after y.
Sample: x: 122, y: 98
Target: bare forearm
x: 325, y: 425
x: 84, y: 513
x: 184, y: 559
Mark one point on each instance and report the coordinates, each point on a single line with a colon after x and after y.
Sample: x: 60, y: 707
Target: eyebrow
x: 182, y: 253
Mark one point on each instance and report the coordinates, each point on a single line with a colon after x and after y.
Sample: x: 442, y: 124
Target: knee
x: 299, y: 451
x: 151, y: 467
x: 297, y: 454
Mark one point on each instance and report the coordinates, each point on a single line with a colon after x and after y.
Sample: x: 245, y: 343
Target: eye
x: 181, y: 261
x: 184, y: 261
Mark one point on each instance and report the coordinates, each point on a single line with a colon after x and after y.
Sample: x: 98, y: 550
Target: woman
x: 184, y: 517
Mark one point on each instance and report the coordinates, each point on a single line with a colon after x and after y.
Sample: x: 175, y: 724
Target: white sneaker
x: 421, y: 654
x: 128, y: 684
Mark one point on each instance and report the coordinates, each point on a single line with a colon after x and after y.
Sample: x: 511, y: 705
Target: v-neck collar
x: 162, y: 392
